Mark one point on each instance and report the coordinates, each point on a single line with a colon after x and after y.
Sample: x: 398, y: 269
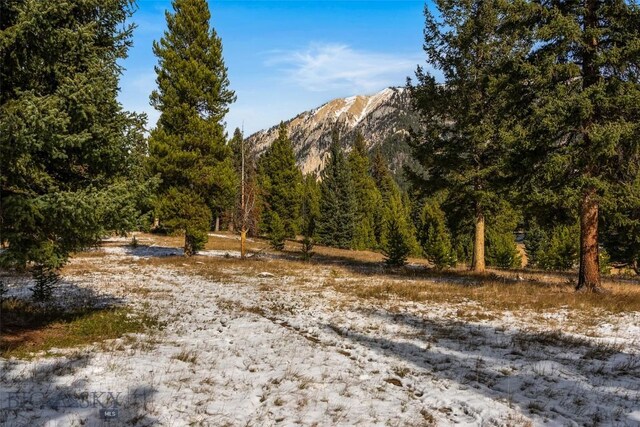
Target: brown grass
x: 499, y: 296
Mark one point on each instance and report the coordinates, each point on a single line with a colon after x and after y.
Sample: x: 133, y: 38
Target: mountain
x: 383, y: 119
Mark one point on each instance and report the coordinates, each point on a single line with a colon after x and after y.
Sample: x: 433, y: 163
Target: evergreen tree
x: 46, y: 280
x: 577, y: 91
x: 139, y: 203
x: 502, y: 250
x: 461, y: 148
x: 366, y: 194
x: 621, y: 234
x: 65, y: 142
x: 236, y: 145
x: 556, y: 249
x: 534, y: 240
x: 393, y: 203
x: 337, y: 204
x: 281, y: 184
x: 559, y: 249
x: 277, y: 233
x: 310, y: 212
x: 395, y: 249
x: 605, y: 262
x: 188, y: 147
x: 434, y: 236
x: 382, y: 176
x: 463, y: 245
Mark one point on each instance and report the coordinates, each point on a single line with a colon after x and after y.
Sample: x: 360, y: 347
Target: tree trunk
x: 189, y: 245
x: 243, y: 239
x: 217, y: 228
x: 478, y: 244
x: 589, y: 274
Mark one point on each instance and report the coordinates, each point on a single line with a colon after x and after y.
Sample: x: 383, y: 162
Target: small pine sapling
x: 396, y: 250
x: 277, y: 234
x: 46, y: 279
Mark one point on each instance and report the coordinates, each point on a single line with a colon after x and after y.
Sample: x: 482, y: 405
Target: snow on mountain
x: 383, y: 119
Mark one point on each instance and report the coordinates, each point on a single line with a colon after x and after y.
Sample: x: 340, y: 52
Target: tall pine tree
x: 337, y: 204
x: 281, y: 185
x: 461, y: 148
x: 394, y: 204
x: 580, y: 87
x: 309, y: 213
x: 188, y: 146
x: 367, y: 196
x: 65, y: 142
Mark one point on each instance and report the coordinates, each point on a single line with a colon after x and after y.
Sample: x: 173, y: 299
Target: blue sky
x: 285, y: 57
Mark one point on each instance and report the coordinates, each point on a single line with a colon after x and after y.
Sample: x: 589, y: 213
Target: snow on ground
x: 286, y: 350
x: 152, y: 251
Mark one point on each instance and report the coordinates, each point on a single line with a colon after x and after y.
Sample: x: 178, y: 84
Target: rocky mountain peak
x: 383, y: 119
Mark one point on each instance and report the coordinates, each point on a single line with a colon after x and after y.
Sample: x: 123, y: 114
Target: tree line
x: 529, y: 120
x: 355, y: 203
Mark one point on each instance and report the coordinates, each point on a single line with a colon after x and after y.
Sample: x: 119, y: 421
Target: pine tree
x: 281, y: 184
x: 559, y: 249
x: 577, y: 90
x: 382, y: 175
x: 46, y: 280
x: 395, y: 249
x: 337, y: 204
x: 309, y: 212
x: 393, y: 203
x: 621, y: 233
x: 366, y: 195
x: 435, y: 237
x: 236, y: 145
x: 502, y: 250
x: 534, y: 239
x: 461, y: 148
x: 65, y: 142
x: 277, y: 233
x: 188, y: 146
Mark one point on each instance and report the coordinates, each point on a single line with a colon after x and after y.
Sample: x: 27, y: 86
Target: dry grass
x: 186, y: 356
x: 218, y: 241
x: 499, y: 296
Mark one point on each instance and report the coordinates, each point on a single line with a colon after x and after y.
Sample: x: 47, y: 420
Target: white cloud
x: 323, y: 67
